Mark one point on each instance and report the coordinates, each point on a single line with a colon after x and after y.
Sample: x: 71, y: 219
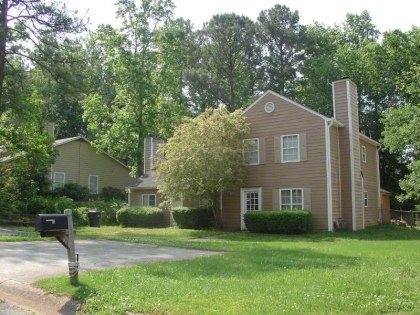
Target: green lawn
x: 376, y: 271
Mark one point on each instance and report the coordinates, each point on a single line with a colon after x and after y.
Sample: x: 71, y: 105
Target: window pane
x: 59, y: 180
x: 152, y: 200
x: 291, y: 199
x: 149, y: 200
x: 285, y: 197
x: 252, y: 201
x: 93, y: 184
x: 290, y: 148
x: 251, y: 151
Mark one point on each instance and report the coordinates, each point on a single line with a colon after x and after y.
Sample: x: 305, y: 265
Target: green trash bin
x: 94, y: 218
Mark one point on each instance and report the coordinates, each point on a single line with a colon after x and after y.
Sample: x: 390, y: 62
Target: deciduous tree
x: 204, y: 158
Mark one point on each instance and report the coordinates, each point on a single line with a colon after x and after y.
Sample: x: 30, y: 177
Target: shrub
x: 80, y: 217
x: 192, y: 218
x: 74, y: 191
x: 108, y: 209
x: 280, y: 222
x: 63, y: 203
x: 110, y: 193
x: 39, y: 204
x: 129, y: 216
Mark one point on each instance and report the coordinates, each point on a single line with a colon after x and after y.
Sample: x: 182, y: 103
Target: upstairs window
x: 251, y: 153
x: 290, y: 148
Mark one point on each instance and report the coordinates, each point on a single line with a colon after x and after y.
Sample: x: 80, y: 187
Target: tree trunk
x: 3, y: 39
x: 215, y: 207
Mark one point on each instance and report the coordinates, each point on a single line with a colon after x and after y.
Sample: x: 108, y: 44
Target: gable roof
x: 58, y: 143
x: 146, y: 181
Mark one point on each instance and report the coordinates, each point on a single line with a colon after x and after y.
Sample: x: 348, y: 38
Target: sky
x: 386, y: 14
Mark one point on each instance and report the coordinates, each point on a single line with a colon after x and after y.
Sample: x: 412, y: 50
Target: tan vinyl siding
x: 335, y: 172
x: 137, y: 197
x: 231, y: 210
x: 369, y: 170
x: 286, y: 119
x: 77, y: 159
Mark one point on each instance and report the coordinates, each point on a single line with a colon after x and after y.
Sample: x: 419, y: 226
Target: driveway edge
x: 29, y: 298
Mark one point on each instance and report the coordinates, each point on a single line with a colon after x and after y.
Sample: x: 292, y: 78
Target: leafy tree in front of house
x: 204, y: 158
x: 402, y: 135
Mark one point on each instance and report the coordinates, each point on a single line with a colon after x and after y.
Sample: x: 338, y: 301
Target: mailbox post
x: 61, y: 226
x: 71, y: 251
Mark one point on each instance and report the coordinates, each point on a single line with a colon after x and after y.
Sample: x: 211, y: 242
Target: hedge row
x: 130, y: 216
x: 278, y: 222
x: 192, y: 218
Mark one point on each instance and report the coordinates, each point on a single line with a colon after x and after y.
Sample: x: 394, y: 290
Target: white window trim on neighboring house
x: 257, y: 141
x: 363, y: 154
x: 60, y: 184
x: 366, y: 199
x: 291, y: 204
x: 146, y: 201
x: 244, y: 203
x: 294, y: 148
x: 93, y: 191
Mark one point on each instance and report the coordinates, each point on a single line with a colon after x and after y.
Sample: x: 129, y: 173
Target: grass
x: 375, y: 271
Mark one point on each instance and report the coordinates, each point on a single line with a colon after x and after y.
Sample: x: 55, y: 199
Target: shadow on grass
x: 374, y: 233
x: 245, y: 264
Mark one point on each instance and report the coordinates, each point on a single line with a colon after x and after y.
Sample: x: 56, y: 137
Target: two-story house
x: 298, y: 159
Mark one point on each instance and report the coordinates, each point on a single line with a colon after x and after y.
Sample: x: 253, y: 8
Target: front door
x: 250, y: 201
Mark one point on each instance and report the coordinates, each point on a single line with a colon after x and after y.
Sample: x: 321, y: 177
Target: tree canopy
x: 204, y: 158
x: 117, y: 85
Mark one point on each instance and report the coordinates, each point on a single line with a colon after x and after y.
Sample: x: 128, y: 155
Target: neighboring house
x: 299, y: 159
x: 78, y: 162
x: 143, y: 191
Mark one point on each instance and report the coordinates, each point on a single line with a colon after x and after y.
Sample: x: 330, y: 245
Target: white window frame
x: 283, y: 148
x: 97, y: 184
x: 363, y: 154
x: 244, y: 210
x: 366, y: 199
x: 257, y: 140
x: 147, y: 203
x: 292, y: 204
x: 61, y: 185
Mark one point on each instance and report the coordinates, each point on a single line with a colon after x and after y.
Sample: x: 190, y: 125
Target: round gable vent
x: 269, y: 107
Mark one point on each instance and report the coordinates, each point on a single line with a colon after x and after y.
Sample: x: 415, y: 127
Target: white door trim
x: 243, y: 202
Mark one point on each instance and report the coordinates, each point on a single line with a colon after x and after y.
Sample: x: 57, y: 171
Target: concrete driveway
x: 25, y: 262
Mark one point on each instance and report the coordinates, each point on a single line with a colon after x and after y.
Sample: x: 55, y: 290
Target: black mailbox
x: 51, y: 222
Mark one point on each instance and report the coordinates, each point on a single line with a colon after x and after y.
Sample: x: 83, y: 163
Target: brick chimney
x: 51, y: 129
x: 346, y: 111
x: 151, y: 145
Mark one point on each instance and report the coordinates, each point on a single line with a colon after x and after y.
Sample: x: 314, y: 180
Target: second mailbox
x: 51, y: 222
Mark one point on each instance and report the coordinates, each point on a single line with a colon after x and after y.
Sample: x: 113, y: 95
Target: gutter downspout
x: 339, y: 174
x: 378, y: 180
